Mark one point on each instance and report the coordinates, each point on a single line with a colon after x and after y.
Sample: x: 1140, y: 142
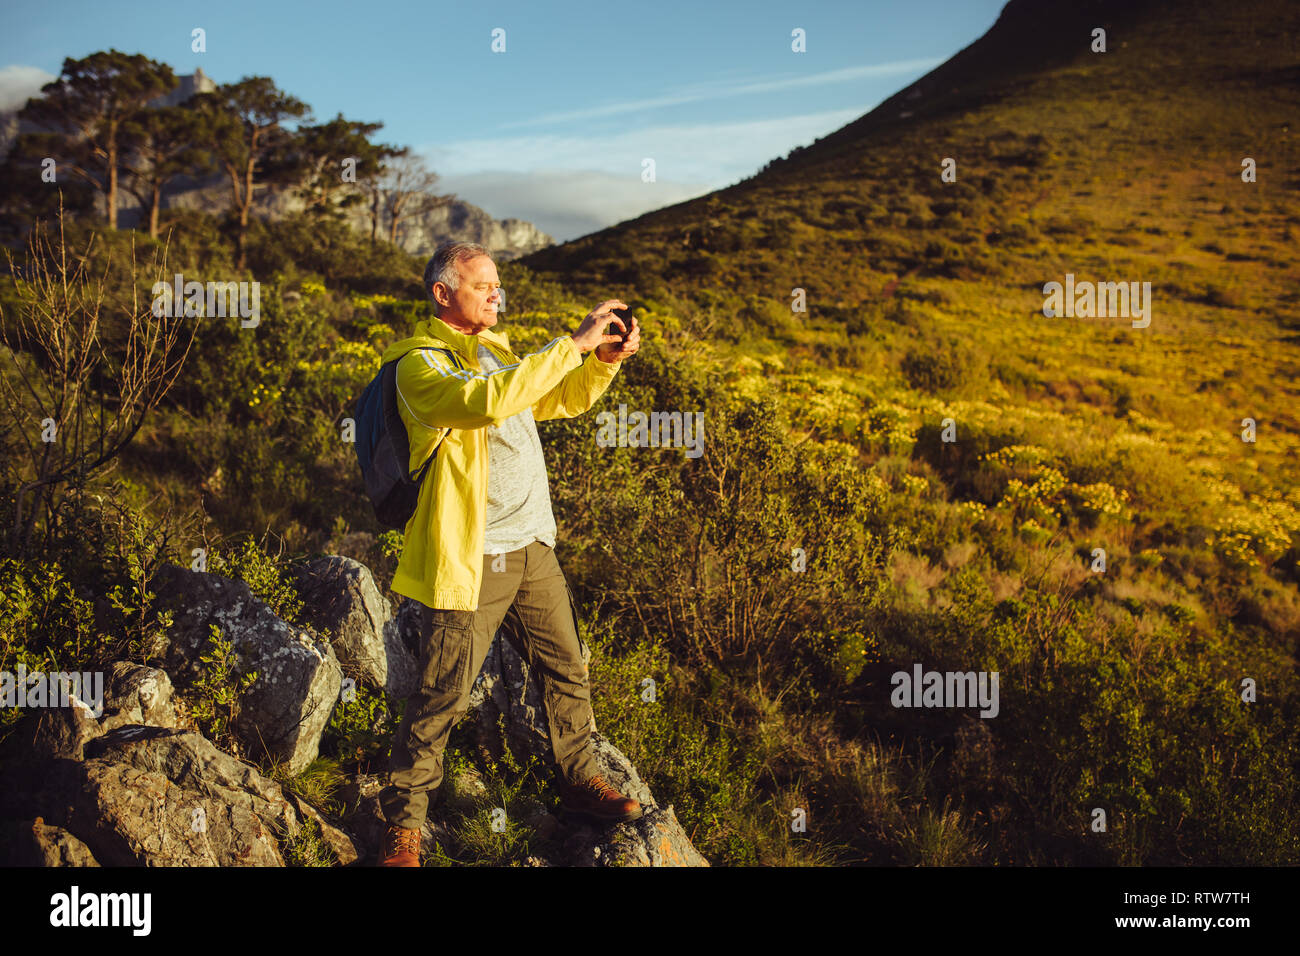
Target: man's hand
x: 590, y: 334
x: 619, y: 350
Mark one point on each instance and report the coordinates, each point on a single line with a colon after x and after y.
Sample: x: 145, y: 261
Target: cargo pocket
x: 448, y: 646
x: 583, y: 651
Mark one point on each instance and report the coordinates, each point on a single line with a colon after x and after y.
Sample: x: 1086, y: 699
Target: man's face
x: 473, y: 306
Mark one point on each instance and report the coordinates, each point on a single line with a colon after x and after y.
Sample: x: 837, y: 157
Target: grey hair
x: 441, y: 267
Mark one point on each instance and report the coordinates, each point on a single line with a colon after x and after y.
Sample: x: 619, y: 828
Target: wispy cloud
x: 20, y: 83
x: 572, y: 185
x: 729, y: 89
x: 715, y: 153
x: 567, y: 203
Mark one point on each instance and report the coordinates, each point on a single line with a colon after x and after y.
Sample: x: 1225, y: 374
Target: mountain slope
x: 1049, y: 138
x: 1123, y: 166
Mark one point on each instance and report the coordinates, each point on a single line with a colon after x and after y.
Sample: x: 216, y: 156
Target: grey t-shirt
x: 518, y: 495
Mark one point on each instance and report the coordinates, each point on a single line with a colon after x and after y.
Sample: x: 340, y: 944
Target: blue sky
x: 554, y: 129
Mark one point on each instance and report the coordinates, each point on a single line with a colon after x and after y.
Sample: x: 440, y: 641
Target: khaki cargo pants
x: 530, y: 600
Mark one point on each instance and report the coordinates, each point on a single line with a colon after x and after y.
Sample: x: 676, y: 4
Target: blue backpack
x: 384, y: 449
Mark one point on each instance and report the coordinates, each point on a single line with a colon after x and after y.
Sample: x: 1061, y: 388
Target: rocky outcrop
x: 160, y: 797
x: 136, y: 785
x: 419, y: 234
x: 657, y: 839
x: 35, y: 843
x: 285, y: 711
x: 132, y: 695
x: 340, y: 598
x: 457, y: 219
x: 186, y: 86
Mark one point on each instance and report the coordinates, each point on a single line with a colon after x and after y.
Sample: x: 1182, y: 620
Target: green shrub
x: 264, y: 575
x: 217, y: 691
x: 360, y: 730
x: 944, y: 367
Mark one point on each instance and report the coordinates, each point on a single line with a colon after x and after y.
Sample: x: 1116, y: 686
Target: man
x: 478, y: 552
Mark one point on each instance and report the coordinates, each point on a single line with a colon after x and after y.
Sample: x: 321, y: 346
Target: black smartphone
x: 626, y: 316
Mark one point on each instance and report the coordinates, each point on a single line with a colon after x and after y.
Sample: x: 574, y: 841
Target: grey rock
x: 286, y: 710
x: 138, y: 695
x: 157, y: 797
x: 187, y: 86
x: 340, y: 597
x: 507, y: 238
x: 407, y: 623
x: 339, y: 841
x: 132, y: 695
x: 35, y: 843
x: 59, y: 732
x: 657, y: 839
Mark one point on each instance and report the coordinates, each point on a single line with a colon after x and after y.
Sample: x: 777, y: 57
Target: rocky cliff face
x: 418, y: 235
x: 507, y: 238
x: 196, y: 82
x: 136, y: 783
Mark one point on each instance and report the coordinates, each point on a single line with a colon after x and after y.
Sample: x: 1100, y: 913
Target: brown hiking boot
x: 401, y: 847
x: 598, y: 801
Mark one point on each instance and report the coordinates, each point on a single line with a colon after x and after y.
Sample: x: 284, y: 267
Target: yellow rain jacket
x: 447, y: 403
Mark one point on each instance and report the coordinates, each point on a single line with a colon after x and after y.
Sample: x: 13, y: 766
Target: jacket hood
x: 433, y: 332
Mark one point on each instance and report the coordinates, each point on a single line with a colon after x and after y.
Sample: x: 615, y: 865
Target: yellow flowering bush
x: 1254, y: 531
x: 1031, y: 529
x: 876, y: 485
x: 262, y: 394
x: 358, y: 357
x: 1019, y: 455
x: 1149, y: 558
x: 380, y: 330
x: 747, y: 379
x: 1038, y: 495
x: 1142, y: 423
x: 370, y: 301
x: 339, y: 376
x: 1100, y: 499
x: 915, y: 484
x: 887, y: 426
x: 527, y: 338
x: 1038, y: 488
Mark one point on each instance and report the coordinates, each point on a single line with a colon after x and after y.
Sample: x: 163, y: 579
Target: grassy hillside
x: 925, y: 303
x: 1117, y: 166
